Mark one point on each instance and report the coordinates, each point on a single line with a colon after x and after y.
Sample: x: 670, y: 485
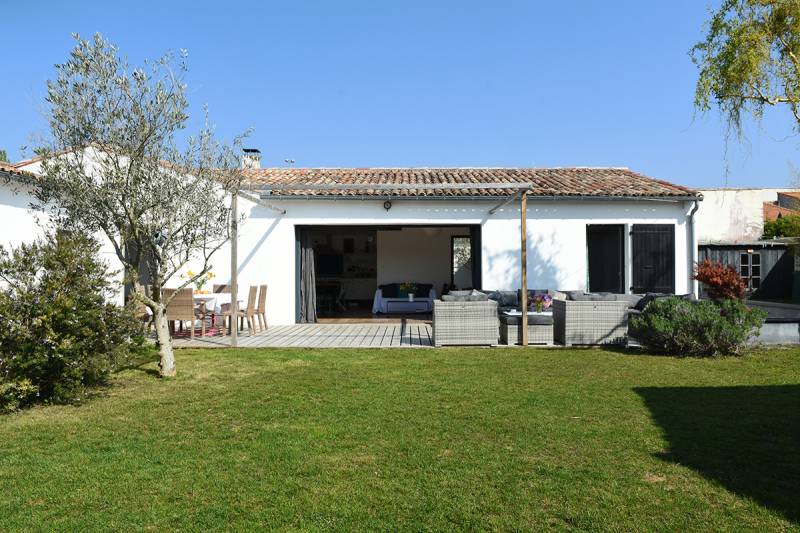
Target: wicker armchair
x: 590, y: 322
x: 465, y: 323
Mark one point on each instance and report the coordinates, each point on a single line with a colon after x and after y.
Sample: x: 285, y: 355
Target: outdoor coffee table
x: 404, y: 305
x: 540, y: 327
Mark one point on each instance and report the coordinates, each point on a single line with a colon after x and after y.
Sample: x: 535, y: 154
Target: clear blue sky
x: 421, y: 83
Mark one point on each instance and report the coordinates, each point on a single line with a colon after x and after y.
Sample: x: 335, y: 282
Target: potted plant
x: 541, y: 302
x: 408, y: 289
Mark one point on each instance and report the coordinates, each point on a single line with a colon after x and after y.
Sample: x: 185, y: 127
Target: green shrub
x: 16, y: 394
x: 786, y: 226
x: 679, y: 327
x: 58, y: 328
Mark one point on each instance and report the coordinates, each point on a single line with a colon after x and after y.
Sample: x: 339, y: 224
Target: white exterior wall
x: 556, y: 239
x: 733, y: 215
x: 20, y: 224
x: 17, y: 220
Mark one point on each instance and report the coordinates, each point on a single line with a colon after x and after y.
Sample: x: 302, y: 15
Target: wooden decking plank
x: 320, y: 337
x: 298, y: 335
x: 365, y: 335
x: 428, y: 335
x: 351, y: 336
x: 369, y: 337
x: 281, y: 336
x: 386, y: 335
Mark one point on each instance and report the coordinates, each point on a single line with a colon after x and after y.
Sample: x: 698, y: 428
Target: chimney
x: 251, y: 158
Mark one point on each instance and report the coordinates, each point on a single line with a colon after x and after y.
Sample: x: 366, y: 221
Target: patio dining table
x: 213, y: 302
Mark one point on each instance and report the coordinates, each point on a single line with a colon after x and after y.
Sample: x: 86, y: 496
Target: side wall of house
x: 20, y: 224
x: 556, y: 239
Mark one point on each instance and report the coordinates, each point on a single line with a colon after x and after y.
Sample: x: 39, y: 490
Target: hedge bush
x: 59, y: 331
x: 16, y: 394
x: 786, y: 226
x: 676, y: 326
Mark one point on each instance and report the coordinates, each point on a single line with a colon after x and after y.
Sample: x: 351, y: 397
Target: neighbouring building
x: 730, y: 226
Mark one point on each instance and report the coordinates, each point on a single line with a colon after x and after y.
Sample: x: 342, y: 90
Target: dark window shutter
x: 653, y: 247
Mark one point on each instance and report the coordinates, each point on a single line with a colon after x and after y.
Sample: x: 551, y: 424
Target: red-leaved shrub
x: 723, y: 281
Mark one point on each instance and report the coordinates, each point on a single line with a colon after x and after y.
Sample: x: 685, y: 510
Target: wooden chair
x: 181, y: 308
x: 248, y: 314
x: 261, y: 310
x: 222, y: 289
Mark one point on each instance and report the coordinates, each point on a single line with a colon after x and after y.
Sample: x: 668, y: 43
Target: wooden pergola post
x: 523, y: 295
x: 234, y: 270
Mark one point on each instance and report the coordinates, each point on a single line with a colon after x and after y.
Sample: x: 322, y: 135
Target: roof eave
x: 488, y: 198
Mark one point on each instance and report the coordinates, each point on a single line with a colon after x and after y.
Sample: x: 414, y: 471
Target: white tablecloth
x: 214, y: 302
x: 515, y: 312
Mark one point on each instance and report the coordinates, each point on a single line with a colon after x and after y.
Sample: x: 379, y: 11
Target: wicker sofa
x: 578, y: 317
x: 465, y: 323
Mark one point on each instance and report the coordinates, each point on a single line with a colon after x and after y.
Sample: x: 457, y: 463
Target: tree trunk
x: 167, y: 364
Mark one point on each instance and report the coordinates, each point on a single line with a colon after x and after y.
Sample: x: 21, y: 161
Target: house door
x: 605, y: 246
x: 653, y: 247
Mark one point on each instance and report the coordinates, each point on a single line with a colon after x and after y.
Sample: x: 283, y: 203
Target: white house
x: 22, y: 224
x: 596, y: 229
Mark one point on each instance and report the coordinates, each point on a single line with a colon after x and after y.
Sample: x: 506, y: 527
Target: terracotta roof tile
x: 773, y: 211
x: 600, y: 182
x: 10, y: 169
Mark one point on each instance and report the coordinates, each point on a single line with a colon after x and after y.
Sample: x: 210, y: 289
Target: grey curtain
x: 475, y: 256
x: 308, y: 285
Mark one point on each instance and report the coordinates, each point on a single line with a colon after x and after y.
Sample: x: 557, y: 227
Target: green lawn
x: 417, y: 439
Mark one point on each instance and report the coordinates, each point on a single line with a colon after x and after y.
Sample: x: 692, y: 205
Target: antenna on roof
x: 289, y: 162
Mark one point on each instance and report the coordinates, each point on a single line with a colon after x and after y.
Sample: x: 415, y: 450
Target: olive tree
x: 750, y: 59
x: 115, y: 165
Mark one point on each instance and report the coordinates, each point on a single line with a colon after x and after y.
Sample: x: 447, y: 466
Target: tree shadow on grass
x: 744, y: 438
x: 139, y: 363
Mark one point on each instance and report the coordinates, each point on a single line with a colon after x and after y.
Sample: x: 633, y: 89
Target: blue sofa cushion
x: 390, y: 290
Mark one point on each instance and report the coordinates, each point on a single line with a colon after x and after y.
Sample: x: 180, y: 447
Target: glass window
x: 755, y: 259
x: 744, y: 270
x: 755, y: 283
x: 745, y: 259
x: 461, y: 261
x: 755, y: 271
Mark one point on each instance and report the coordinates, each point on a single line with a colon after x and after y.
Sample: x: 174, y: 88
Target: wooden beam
x: 504, y: 203
x: 234, y: 270
x: 259, y: 201
x: 523, y: 295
